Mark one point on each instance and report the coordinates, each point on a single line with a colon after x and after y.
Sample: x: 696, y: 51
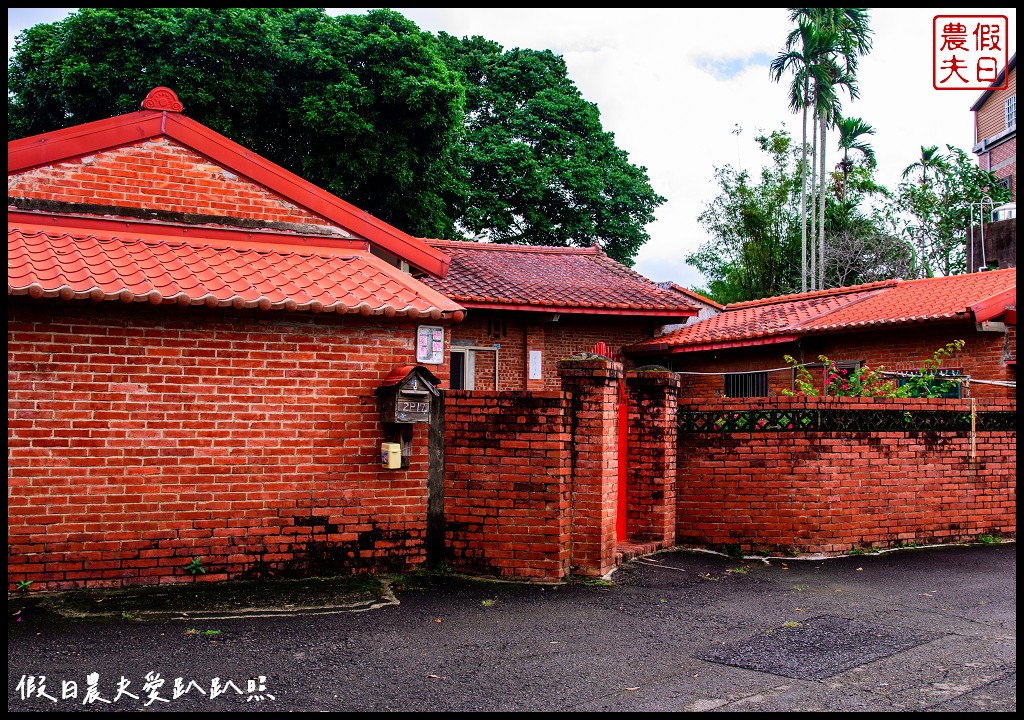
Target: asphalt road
x: 917, y: 630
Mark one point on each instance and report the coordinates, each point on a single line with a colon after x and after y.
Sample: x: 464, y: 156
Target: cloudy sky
x: 673, y: 85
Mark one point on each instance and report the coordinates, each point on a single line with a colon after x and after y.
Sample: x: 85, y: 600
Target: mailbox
x: 407, y: 394
x: 406, y: 398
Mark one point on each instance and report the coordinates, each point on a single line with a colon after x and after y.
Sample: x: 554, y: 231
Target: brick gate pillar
x: 592, y: 384
x: 651, y: 458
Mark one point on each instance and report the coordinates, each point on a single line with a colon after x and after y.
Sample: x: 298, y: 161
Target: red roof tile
x: 131, y: 267
x: 887, y: 303
x: 939, y: 298
x: 551, y: 279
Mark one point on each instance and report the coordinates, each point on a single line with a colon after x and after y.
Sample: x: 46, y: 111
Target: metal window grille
x: 739, y: 385
x: 953, y: 392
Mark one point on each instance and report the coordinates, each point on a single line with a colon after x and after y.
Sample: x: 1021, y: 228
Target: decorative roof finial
x: 162, y: 98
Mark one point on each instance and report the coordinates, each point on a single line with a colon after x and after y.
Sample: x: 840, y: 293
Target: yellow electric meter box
x: 391, y: 455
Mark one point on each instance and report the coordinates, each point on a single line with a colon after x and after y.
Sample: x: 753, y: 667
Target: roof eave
x: 995, y: 306
x: 667, y: 348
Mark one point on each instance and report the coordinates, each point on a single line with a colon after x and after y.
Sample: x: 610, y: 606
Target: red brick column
x: 651, y: 459
x: 592, y: 385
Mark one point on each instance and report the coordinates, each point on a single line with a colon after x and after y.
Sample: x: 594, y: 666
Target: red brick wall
x: 507, y: 483
x: 140, y: 437
x: 817, y: 492
x: 570, y: 335
x: 159, y: 175
x: 651, y: 457
x: 895, y: 349
x: 531, y: 477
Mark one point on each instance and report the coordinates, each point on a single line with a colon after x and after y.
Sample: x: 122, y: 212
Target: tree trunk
x: 803, y: 206
x: 821, y: 211
x: 813, y: 199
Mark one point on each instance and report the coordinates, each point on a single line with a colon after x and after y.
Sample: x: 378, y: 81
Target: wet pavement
x: 916, y: 630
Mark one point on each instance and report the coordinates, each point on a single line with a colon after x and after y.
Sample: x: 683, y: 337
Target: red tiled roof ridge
x: 960, y: 276
x: 262, y: 248
x: 506, y: 247
x: 593, y: 251
x: 814, y: 294
x: 687, y: 291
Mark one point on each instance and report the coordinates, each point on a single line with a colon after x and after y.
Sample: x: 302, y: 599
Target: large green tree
x: 435, y: 135
x: 542, y: 170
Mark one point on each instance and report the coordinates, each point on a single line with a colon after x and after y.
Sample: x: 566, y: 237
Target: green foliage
x: 755, y: 229
x: 195, y: 567
x: 873, y: 550
x: 927, y: 382
x: 542, y: 169
x: 867, y: 381
x: 932, y: 208
x: 24, y: 585
x: 435, y: 135
x: 839, y: 382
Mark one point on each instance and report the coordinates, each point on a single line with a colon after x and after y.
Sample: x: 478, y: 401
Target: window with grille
x: 941, y: 376
x: 1011, y: 111
x: 754, y: 384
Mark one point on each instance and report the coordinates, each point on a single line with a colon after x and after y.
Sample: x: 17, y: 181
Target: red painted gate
x: 620, y: 515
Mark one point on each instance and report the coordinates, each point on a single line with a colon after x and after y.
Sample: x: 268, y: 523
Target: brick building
x: 529, y: 307
x: 195, y: 341
x: 995, y: 127
x: 897, y: 324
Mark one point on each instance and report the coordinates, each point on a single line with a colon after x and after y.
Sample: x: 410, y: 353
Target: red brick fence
x: 790, y: 491
x: 216, y: 464
x: 531, y: 491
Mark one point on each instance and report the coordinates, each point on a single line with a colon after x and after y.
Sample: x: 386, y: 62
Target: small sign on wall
x: 536, y: 371
x: 430, y: 344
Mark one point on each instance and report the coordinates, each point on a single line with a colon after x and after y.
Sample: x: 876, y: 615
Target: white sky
x: 673, y: 84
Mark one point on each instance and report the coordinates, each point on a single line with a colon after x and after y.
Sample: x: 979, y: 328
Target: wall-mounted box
x: 391, y: 455
x: 407, y: 394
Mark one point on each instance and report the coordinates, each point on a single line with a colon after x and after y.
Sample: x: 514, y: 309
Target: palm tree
x: 799, y: 58
x: 806, y: 56
x: 851, y: 130
x: 852, y: 37
x: 931, y: 159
